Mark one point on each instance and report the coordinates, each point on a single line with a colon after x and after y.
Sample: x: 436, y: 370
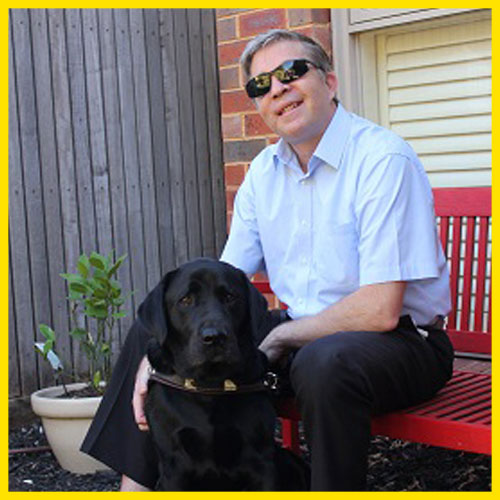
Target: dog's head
x: 205, y: 318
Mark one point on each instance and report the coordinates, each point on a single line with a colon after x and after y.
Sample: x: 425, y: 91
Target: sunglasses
x: 285, y: 73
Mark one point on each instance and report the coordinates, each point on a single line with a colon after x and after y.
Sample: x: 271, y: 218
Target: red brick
x: 229, y: 218
x: 234, y: 174
x: 299, y: 17
x: 231, y: 126
x: 229, y: 78
x: 320, y: 34
x: 229, y: 53
x: 235, y: 102
x: 255, y: 125
x: 242, y: 151
x: 229, y: 12
x: 261, y: 21
x: 226, y: 29
x: 230, y: 195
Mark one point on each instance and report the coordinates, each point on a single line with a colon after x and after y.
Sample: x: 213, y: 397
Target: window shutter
x: 435, y: 91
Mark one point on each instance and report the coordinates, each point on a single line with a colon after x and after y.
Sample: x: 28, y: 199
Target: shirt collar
x: 331, y: 146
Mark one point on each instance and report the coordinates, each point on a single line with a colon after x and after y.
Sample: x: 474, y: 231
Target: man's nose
x: 277, y: 87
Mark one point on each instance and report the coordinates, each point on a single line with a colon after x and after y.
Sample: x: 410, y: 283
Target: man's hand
x: 277, y: 343
x: 140, y: 393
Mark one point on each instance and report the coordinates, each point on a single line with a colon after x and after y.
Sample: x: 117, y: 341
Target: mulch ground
x: 394, y: 465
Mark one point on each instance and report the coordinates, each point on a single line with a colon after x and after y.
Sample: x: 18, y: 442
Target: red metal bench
x: 459, y: 416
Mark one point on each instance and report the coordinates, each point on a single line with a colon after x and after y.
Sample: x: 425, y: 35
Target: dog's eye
x: 186, y: 301
x: 229, y: 297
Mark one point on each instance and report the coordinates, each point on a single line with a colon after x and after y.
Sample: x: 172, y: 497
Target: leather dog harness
x: 268, y: 383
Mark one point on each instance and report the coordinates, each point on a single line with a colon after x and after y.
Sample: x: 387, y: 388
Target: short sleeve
x: 395, y: 223
x: 243, y: 248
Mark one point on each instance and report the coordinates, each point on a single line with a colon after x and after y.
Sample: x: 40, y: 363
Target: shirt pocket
x: 338, y: 257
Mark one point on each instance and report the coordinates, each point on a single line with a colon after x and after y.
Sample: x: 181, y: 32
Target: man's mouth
x: 288, y: 108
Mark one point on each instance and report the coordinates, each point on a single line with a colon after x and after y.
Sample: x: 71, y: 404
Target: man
x: 339, y: 213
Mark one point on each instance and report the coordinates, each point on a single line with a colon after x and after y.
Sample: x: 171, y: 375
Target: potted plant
x: 66, y: 410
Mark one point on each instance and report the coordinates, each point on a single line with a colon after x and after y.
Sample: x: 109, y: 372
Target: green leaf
x: 78, y: 333
x: 116, y: 265
x: 105, y: 348
x: 77, y: 287
x: 94, y: 312
x: 70, y: 276
x: 83, y: 265
x: 97, y: 378
x: 119, y: 314
x: 47, y: 332
x: 100, y: 293
x: 49, y: 345
x: 98, y: 261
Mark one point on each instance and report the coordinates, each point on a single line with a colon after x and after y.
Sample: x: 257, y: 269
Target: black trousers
x: 339, y: 381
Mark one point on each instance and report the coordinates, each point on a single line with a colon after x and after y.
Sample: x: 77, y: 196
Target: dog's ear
x: 151, y: 314
x: 258, y: 312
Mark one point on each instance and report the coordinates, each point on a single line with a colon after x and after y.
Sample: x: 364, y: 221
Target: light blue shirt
x: 362, y: 214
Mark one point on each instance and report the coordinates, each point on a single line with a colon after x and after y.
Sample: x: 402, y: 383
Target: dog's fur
x: 206, y: 318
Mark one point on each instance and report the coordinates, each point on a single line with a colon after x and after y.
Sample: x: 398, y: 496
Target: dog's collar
x: 268, y: 383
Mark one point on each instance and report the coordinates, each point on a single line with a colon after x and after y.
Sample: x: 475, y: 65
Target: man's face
x: 298, y: 111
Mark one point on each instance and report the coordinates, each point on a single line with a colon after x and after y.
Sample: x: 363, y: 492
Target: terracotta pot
x: 66, y: 422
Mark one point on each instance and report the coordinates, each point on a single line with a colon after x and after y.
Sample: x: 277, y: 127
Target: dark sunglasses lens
x: 287, y: 72
x: 259, y: 85
x: 291, y: 70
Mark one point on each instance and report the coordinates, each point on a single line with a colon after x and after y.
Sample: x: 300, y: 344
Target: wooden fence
x: 114, y: 143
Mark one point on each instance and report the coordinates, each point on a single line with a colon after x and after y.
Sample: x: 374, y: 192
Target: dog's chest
x: 217, y: 443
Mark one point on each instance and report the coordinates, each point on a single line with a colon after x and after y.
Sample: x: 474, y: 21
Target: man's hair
x: 315, y: 52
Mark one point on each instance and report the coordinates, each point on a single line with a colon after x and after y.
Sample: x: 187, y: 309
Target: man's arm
x: 371, y: 308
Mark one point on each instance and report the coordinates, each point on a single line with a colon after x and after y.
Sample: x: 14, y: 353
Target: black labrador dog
x: 208, y: 408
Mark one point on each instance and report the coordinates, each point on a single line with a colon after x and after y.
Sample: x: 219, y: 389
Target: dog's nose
x: 211, y: 335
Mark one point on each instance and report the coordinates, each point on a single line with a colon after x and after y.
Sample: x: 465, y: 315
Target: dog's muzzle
x: 213, y: 336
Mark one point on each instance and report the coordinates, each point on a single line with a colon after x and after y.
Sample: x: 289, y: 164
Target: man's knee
x: 326, y: 366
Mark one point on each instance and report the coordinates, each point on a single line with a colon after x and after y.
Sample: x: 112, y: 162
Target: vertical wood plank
x: 144, y: 147
x: 112, y: 119
x: 161, y: 150
x: 31, y: 179
x: 23, y: 375
x: 64, y: 137
x: 130, y: 153
x: 170, y: 121
x: 51, y: 188
x: 14, y: 376
x: 87, y: 229
x: 99, y: 170
x: 200, y: 128
x: 186, y: 126
x: 210, y: 59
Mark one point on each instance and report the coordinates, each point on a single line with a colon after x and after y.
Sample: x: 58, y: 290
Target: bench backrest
x: 464, y: 224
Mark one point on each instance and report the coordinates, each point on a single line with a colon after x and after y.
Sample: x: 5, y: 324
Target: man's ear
x: 332, y: 83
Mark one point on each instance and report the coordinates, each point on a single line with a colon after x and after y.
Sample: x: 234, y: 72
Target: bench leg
x: 290, y: 435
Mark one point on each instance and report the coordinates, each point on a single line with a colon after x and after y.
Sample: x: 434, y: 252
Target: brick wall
x: 244, y: 133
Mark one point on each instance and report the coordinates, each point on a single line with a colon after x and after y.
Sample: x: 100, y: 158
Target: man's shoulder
x: 376, y: 140
x: 264, y: 161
